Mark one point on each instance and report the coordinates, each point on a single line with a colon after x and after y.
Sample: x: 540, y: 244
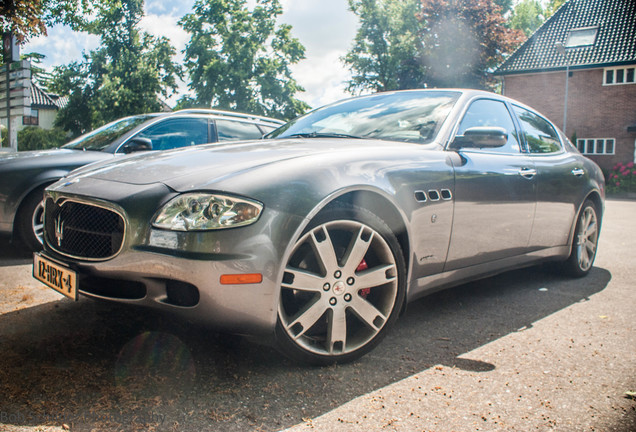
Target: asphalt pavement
x: 526, y: 350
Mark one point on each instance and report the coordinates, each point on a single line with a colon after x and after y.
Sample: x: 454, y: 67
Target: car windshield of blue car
x: 102, y: 137
x: 410, y: 116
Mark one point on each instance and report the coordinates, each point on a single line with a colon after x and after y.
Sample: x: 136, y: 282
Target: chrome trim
x: 578, y: 172
x: 99, y: 204
x: 527, y: 173
x: 446, y: 194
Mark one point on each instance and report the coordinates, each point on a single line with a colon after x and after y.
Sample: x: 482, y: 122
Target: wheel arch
x: 595, y: 197
x: 384, y: 209
x: 41, y: 181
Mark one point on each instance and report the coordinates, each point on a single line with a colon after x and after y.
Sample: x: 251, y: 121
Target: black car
x: 25, y: 175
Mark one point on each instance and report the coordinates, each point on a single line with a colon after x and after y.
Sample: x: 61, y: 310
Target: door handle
x: 578, y: 172
x: 528, y: 173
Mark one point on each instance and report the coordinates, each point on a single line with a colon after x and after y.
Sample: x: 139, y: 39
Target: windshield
x: 102, y: 137
x: 411, y: 116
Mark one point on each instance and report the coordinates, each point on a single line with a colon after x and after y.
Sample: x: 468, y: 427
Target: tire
x: 29, y: 220
x: 584, y: 241
x: 343, y: 287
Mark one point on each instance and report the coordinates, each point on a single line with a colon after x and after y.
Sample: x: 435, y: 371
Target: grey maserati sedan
x: 25, y: 175
x: 316, y: 237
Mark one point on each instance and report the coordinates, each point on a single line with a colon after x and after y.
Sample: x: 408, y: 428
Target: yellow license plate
x: 56, y: 276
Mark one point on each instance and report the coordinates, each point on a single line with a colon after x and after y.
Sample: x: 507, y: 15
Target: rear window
x: 540, y: 134
x: 228, y: 130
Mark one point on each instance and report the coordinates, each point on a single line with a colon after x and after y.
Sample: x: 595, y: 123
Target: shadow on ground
x: 13, y: 253
x: 99, y: 366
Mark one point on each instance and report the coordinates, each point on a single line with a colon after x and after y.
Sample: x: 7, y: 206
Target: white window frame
x: 581, y: 37
x: 594, y: 142
x: 615, y: 70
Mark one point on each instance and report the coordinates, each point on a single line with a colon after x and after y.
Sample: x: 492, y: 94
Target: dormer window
x: 581, y: 37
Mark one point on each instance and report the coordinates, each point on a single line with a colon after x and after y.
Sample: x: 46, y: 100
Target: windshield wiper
x: 321, y: 135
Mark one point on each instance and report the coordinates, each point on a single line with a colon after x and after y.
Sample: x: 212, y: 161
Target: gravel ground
x: 525, y: 350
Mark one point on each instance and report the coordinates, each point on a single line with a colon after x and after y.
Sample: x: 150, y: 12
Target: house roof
x: 42, y: 100
x: 614, y: 44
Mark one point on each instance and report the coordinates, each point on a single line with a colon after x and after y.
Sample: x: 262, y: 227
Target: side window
x: 229, y: 130
x: 488, y: 112
x: 178, y: 132
x: 540, y: 135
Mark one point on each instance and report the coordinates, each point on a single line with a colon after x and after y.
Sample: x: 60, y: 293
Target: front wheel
x: 343, y: 287
x: 585, y: 241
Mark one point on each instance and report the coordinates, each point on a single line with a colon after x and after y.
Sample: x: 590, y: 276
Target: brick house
x: 595, y: 41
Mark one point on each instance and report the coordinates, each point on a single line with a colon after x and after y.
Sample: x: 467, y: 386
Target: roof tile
x: 615, y: 42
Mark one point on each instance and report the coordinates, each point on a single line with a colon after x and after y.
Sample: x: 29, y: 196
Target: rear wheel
x: 30, y: 220
x: 343, y: 287
x: 585, y: 241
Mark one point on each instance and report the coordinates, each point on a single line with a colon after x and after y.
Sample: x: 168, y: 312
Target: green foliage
x: 35, y: 138
x: 622, y: 178
x: 385, y: 51
x: 38, y: 74
x: 30, y: 18
x: 127, y: 75
x: 463, y: 40
x: 527, y: 16
x: 428, y: 43
x: 552, y: 7
x: 505, y: 5
x: 238, y: 59
x: 4, y: 142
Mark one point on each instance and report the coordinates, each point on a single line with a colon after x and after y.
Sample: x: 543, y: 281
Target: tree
x: 30, y: 18
x: 239, y: 59
x: 505, y: 5
x: 552, y: 7
x: 38, y: 74
x: 527, y: 16
x: 385, y: 52
x: 127, y: 75
x: 36, y: 138
x: 428, y: 43
x: 463, y: 40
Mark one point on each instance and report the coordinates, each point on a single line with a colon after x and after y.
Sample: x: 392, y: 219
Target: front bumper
x: 180, y: 272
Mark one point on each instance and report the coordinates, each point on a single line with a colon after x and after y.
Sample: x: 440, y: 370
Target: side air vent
x: 433, y: 195
x: 420, y: 196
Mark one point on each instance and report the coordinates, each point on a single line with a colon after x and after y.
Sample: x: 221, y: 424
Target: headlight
x: 201, y: 211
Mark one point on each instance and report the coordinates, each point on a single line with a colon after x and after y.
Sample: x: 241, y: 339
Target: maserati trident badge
x: 59, y: 230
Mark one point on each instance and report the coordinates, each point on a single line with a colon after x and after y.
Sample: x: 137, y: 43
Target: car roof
x: 230, y: 115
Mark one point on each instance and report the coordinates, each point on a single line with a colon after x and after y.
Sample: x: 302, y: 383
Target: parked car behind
x: 319, y: 235
x: 24, y: 175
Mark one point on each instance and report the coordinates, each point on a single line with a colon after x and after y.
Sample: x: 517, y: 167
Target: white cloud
x: 61, y: 46
x: 326, y: 29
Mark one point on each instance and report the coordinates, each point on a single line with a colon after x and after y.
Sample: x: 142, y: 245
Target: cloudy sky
x: 325, y: 27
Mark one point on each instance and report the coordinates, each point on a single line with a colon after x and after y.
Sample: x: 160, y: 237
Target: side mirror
x: 481, y: 137
x: 137, y: 144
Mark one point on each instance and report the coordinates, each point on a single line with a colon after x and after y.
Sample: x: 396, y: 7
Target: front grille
x: 82, y: 230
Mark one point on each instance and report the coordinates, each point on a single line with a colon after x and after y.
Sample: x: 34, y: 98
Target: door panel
x: 559, y: 180
x: 495, y: 193
x: 494, y: 208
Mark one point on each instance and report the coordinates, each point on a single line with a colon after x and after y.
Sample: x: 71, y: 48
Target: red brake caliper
x: 364, y: 292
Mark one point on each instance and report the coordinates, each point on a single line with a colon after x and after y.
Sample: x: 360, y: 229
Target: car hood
x: 186, y: 169
x: 50, y: 158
